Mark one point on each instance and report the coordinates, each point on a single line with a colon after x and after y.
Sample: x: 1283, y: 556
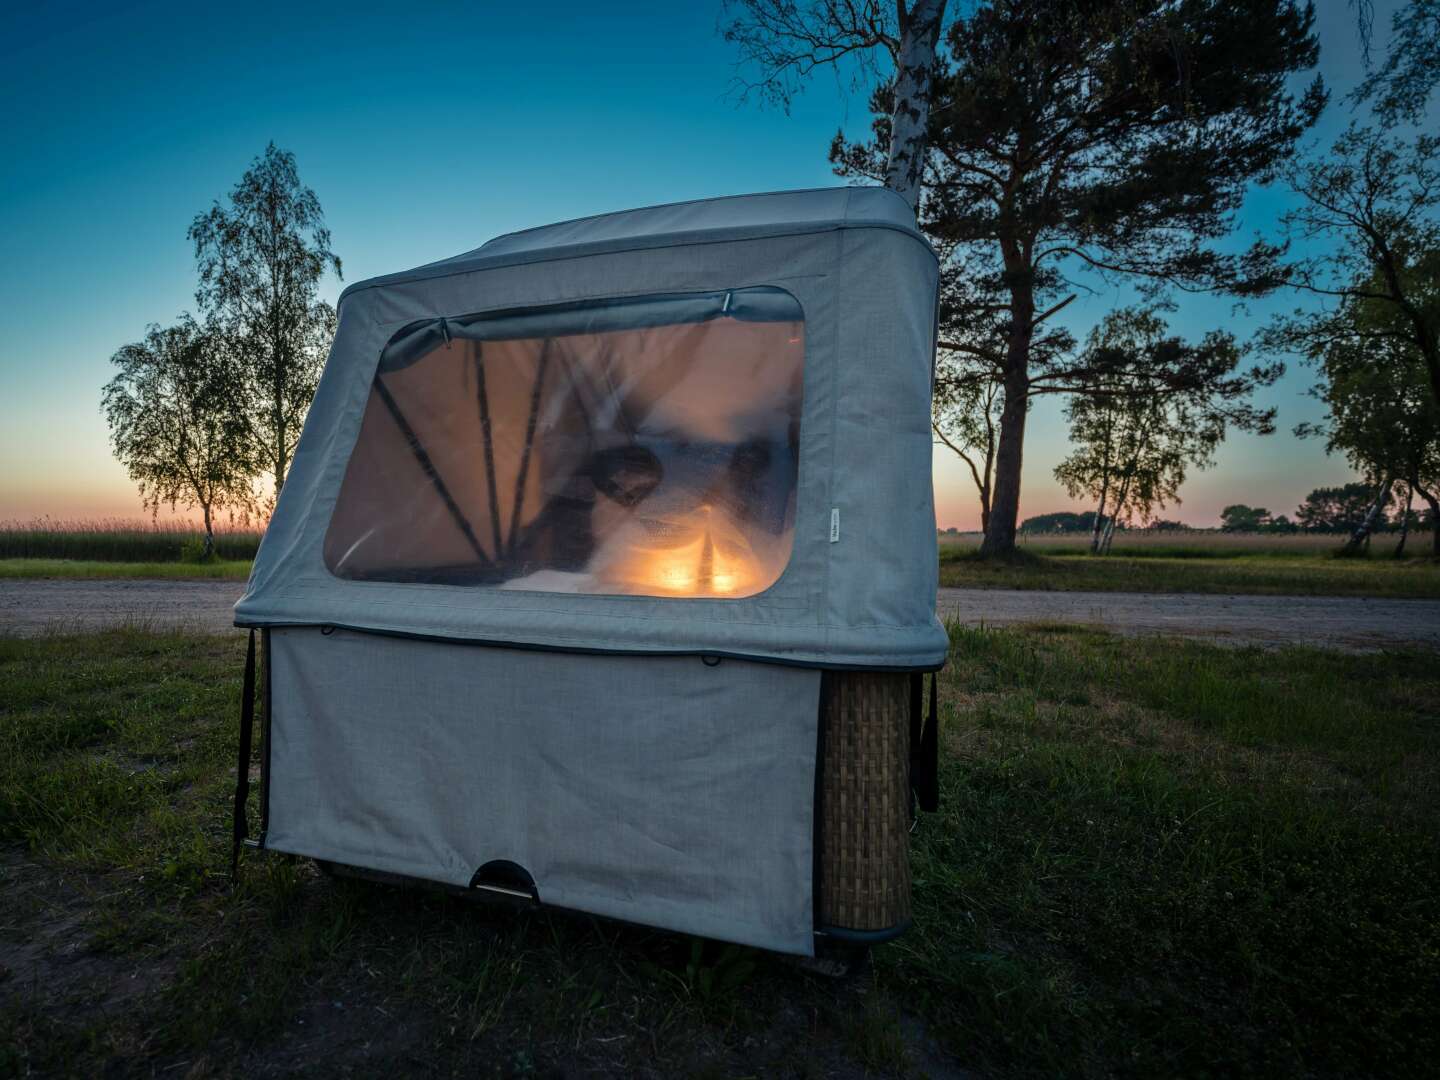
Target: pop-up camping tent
x: 603, y: 565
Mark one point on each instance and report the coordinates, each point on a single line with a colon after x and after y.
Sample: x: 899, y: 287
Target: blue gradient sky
x: 425, y: 130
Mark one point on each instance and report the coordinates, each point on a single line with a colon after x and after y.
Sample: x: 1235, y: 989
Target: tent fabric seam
x: 589, y: 650
x: 587, y: 614
x: 671, y: 205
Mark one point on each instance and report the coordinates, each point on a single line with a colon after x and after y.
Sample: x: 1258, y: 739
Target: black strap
x: 925, y: 744
x: 242, y: 771
x: 917, y: 717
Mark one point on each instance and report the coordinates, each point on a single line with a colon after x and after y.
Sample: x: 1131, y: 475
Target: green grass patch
x: 1243, y: 573
x: 89, y: 570
x: 1153, y: 858
x: 1164, y: 858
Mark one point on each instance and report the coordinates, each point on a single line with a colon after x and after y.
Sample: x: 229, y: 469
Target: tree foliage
x: 1062, y: 521
x: 1241, y: 518
x: 261, y: 256
x: 1154, y: 407
x: 175, y: 423
x: 1381, y: 413
x: 1336, y: 509
x: 1376, y: 201
x: 1112, y: 138
x: 1401, y: 87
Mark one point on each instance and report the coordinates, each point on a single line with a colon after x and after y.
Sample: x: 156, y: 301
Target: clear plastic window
x: 646, y: 446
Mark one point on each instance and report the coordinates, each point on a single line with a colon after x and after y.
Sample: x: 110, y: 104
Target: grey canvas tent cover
x: 577, y: 522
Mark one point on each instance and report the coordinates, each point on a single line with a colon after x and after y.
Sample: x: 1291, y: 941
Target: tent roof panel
x: 781, y: 209
x: 677, y: 223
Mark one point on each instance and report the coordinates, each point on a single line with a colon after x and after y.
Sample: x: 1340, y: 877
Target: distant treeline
x: 1338, y: 510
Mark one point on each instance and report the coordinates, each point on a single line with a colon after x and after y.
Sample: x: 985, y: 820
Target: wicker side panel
x: 865, y: 801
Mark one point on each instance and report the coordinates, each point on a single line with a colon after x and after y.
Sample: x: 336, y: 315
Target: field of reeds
x: 120, y: 540
x: 1194, y: 544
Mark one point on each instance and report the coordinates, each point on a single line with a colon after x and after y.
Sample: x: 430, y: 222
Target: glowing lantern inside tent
x: 699, y: 554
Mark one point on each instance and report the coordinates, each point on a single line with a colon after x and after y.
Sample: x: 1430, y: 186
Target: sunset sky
x: 425, y: 130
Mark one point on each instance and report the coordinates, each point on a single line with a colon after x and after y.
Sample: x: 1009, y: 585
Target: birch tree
x: 1154, y: 408
x: 1336, y: 509
x: 261, y: 256
x: 1129, y: 455
x: 176, y: 425
x: 782, y: 44
x: 966, y: 421
x: 1380, y: 411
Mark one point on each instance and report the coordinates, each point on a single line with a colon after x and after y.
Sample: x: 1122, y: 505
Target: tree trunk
x: 209, y: 534
x: 1100, y: 515
x: 280, y: 461
x: 1360, y: 538
x: 1434, y: 504
x: 1116, y: 509
x: 1405, y: 521
x: 1005, y: 496
x: 910, y: 113
x: 1099, y: 526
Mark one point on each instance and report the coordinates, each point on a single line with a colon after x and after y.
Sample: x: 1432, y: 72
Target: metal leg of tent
x: 427, y: 466
x: 529, y: 443
x: 489, y: 447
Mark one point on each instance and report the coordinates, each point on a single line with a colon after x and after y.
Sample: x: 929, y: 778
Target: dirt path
x: 30, y: 607
x: 1353, y: 623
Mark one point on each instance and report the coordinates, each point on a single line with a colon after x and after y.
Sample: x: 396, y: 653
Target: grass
x: 233, y: 570
x: 1211, y: 563
x: 1153, y: 858
x: 1160, y: 858
x: 1259, y: 575
x: 1265, y: 575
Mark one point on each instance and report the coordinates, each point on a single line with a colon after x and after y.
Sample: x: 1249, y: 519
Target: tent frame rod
x: 427, y: 466
x: 523, y: 474
x: 485, y: 427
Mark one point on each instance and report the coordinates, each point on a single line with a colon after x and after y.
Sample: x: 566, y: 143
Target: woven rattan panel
x: 865, y: 802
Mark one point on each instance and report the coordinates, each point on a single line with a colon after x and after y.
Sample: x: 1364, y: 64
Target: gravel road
x: 31, y: 607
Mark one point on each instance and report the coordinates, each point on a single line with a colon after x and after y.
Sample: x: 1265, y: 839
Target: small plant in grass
x: 877, y: 1039
x: 198, y: 551
x: 714, y: 980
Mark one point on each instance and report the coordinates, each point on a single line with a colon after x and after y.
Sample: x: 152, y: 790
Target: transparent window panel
x: 646, y: 446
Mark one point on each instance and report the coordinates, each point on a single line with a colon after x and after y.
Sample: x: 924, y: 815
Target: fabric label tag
x: 834, y: 525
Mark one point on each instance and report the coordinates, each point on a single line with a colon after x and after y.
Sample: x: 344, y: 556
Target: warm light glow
x: 695, y: 566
